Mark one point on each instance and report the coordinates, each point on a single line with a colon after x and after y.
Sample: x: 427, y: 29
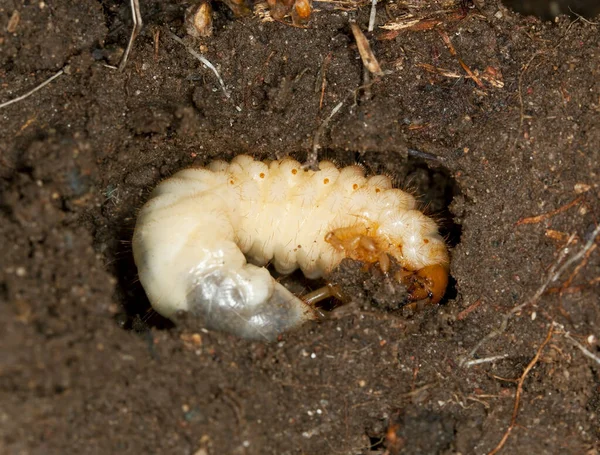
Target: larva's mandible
x: 202, y: 240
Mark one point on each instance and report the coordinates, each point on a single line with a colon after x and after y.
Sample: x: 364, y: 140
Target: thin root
x: 485, y: 360
x: 576, y: 343
x: 204, y: 61
x: 513, y: 420
x: 32, y: 91
x: 467, y: 311
x: 545, y: 216
x: 464, y: 66
x: 312, y: 161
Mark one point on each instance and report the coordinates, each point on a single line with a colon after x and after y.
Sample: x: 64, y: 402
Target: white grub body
x: 202, y: 241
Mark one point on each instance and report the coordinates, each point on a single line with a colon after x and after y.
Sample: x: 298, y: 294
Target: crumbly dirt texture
x: 508, y: 104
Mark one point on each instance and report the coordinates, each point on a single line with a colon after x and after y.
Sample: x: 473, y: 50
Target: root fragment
x: 545, y: 216
x: 137, y: 27
x: 35, y: 89
x: 513, y: 420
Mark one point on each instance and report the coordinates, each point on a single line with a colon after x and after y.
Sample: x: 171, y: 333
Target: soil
x: 85, y: 368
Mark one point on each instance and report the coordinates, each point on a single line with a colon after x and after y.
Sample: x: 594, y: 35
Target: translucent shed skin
x: 203, y: 239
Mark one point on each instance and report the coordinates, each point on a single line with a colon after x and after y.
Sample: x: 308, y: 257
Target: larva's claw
x: 384, y: 262
x: 430, y: 282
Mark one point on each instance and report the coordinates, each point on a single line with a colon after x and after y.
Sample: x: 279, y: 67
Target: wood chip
x: 364, y: 49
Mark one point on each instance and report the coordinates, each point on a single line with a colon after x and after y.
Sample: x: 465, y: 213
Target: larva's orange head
x: 430, y: 282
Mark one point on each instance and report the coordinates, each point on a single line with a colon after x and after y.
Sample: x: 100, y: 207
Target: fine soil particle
x: 502, y: 108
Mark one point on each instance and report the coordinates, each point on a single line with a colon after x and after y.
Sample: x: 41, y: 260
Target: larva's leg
x: 323, y: 293
x: 427, y: 283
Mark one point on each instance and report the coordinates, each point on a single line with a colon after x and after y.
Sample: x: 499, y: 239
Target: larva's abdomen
x: 202, y: 240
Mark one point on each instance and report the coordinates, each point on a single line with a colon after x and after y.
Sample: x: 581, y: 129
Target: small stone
x: 198, y: 20
x: 581, y: 188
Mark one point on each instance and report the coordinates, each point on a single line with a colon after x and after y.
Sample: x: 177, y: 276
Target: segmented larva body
x: 203, y: 239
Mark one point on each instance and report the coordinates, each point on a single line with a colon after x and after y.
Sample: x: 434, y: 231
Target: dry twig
x: 464, y: 66
x: 422, y: 21
x: 366, y: 54
x: 576, y: 343
x: 372, y: 15
x: 485, y: 360
x: 490, y: 75
x: 137, y: 27
x: 401, y: 23
x: 156, y: 38
x: 582, y: 264
x: 324, y: 78
x: 582, y: 19
x: 589, y: 245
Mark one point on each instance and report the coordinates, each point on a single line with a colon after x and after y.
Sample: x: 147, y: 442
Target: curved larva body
x: 203, y: 239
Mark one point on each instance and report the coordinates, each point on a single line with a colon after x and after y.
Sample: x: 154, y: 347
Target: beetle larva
x: 203, y: 239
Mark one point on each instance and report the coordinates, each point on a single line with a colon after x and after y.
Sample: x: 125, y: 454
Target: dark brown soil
x: 83, y: 370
